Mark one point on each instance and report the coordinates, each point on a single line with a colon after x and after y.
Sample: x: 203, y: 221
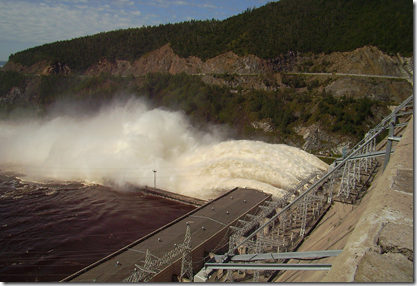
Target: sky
x: 29, y: 23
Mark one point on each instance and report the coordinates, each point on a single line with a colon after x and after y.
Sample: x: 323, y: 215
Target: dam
x: 246, y: 221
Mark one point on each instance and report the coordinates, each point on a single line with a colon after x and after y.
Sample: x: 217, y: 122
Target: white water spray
x: 124, y: 143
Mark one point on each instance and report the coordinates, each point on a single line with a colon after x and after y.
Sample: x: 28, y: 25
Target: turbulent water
x: 48, y: 227
x: 51, y: 230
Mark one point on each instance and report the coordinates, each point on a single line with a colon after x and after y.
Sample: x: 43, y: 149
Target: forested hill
x: 276, y: 28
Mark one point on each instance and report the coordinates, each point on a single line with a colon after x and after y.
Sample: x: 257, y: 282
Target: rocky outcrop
x: 367, y: 60
x: 252, y: 72
x: 57, y: 68
x: 41, y: 68
x: 376, y: 88
x: 319, y: 141
x: 265, y: 126
x: 166, y: 61
x: 233, y: 64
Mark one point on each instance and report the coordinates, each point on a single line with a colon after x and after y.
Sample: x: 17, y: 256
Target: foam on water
x: 124, y: 143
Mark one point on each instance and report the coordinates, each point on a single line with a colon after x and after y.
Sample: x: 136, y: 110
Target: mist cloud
x: 124, y: 143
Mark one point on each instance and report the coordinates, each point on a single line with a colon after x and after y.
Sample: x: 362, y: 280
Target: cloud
x: 160, y: 3
x: 209, y: 6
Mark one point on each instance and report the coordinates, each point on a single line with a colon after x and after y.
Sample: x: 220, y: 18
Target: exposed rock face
x: 319, y: 141
x: 265, y: 126
x: 58, y: 68
x: 231, y: 63
x: 363, y: 61
x: 378, y: 89
x: 286, y: 63
x: 366, y: 60
x: 166, y: 61
x: 43, y: 67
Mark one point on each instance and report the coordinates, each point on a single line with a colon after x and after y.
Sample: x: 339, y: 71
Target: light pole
x: 154, y: 179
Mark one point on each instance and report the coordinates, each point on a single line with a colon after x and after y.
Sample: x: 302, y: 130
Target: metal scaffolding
x: 281, y: 222
x: 187, y: 262
x: 154, y: 265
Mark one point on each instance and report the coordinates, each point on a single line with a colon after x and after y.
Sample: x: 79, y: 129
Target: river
x: 51, y: 230
x: 62, y: 198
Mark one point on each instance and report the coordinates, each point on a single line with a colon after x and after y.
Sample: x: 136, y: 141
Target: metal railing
x: 289, y: 221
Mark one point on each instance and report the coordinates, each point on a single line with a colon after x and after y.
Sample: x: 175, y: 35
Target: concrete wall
x: 376, y: 236
x: 380, y: 248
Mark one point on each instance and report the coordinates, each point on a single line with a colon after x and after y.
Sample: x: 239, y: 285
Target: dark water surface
x: 51, y: 230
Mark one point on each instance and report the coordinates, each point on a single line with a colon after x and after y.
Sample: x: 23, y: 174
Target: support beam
x: 401, y: 124
x: 368, y: 155
x: 405, y: 113
x: 284, y: 255
x: 394, y: 138
x: 267, y: 266
x: 315, y: 184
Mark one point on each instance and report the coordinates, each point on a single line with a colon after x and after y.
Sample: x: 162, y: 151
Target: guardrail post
x: 389, y: 142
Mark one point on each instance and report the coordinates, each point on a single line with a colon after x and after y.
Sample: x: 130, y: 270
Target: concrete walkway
x: 380, y: 248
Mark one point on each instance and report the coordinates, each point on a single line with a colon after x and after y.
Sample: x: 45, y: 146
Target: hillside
x: 287, y: 25
x: 287, y: 102
x: 318, y: 80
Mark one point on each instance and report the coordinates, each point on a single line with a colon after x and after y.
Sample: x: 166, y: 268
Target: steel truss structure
x: 282, y: 222
x: 153, y: 265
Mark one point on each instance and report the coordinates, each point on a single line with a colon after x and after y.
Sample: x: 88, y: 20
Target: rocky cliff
x: 333, y: 73
x: 365, y: 61
x: 40, y: 68
x: 324, y: 71
x: 165, y: 60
